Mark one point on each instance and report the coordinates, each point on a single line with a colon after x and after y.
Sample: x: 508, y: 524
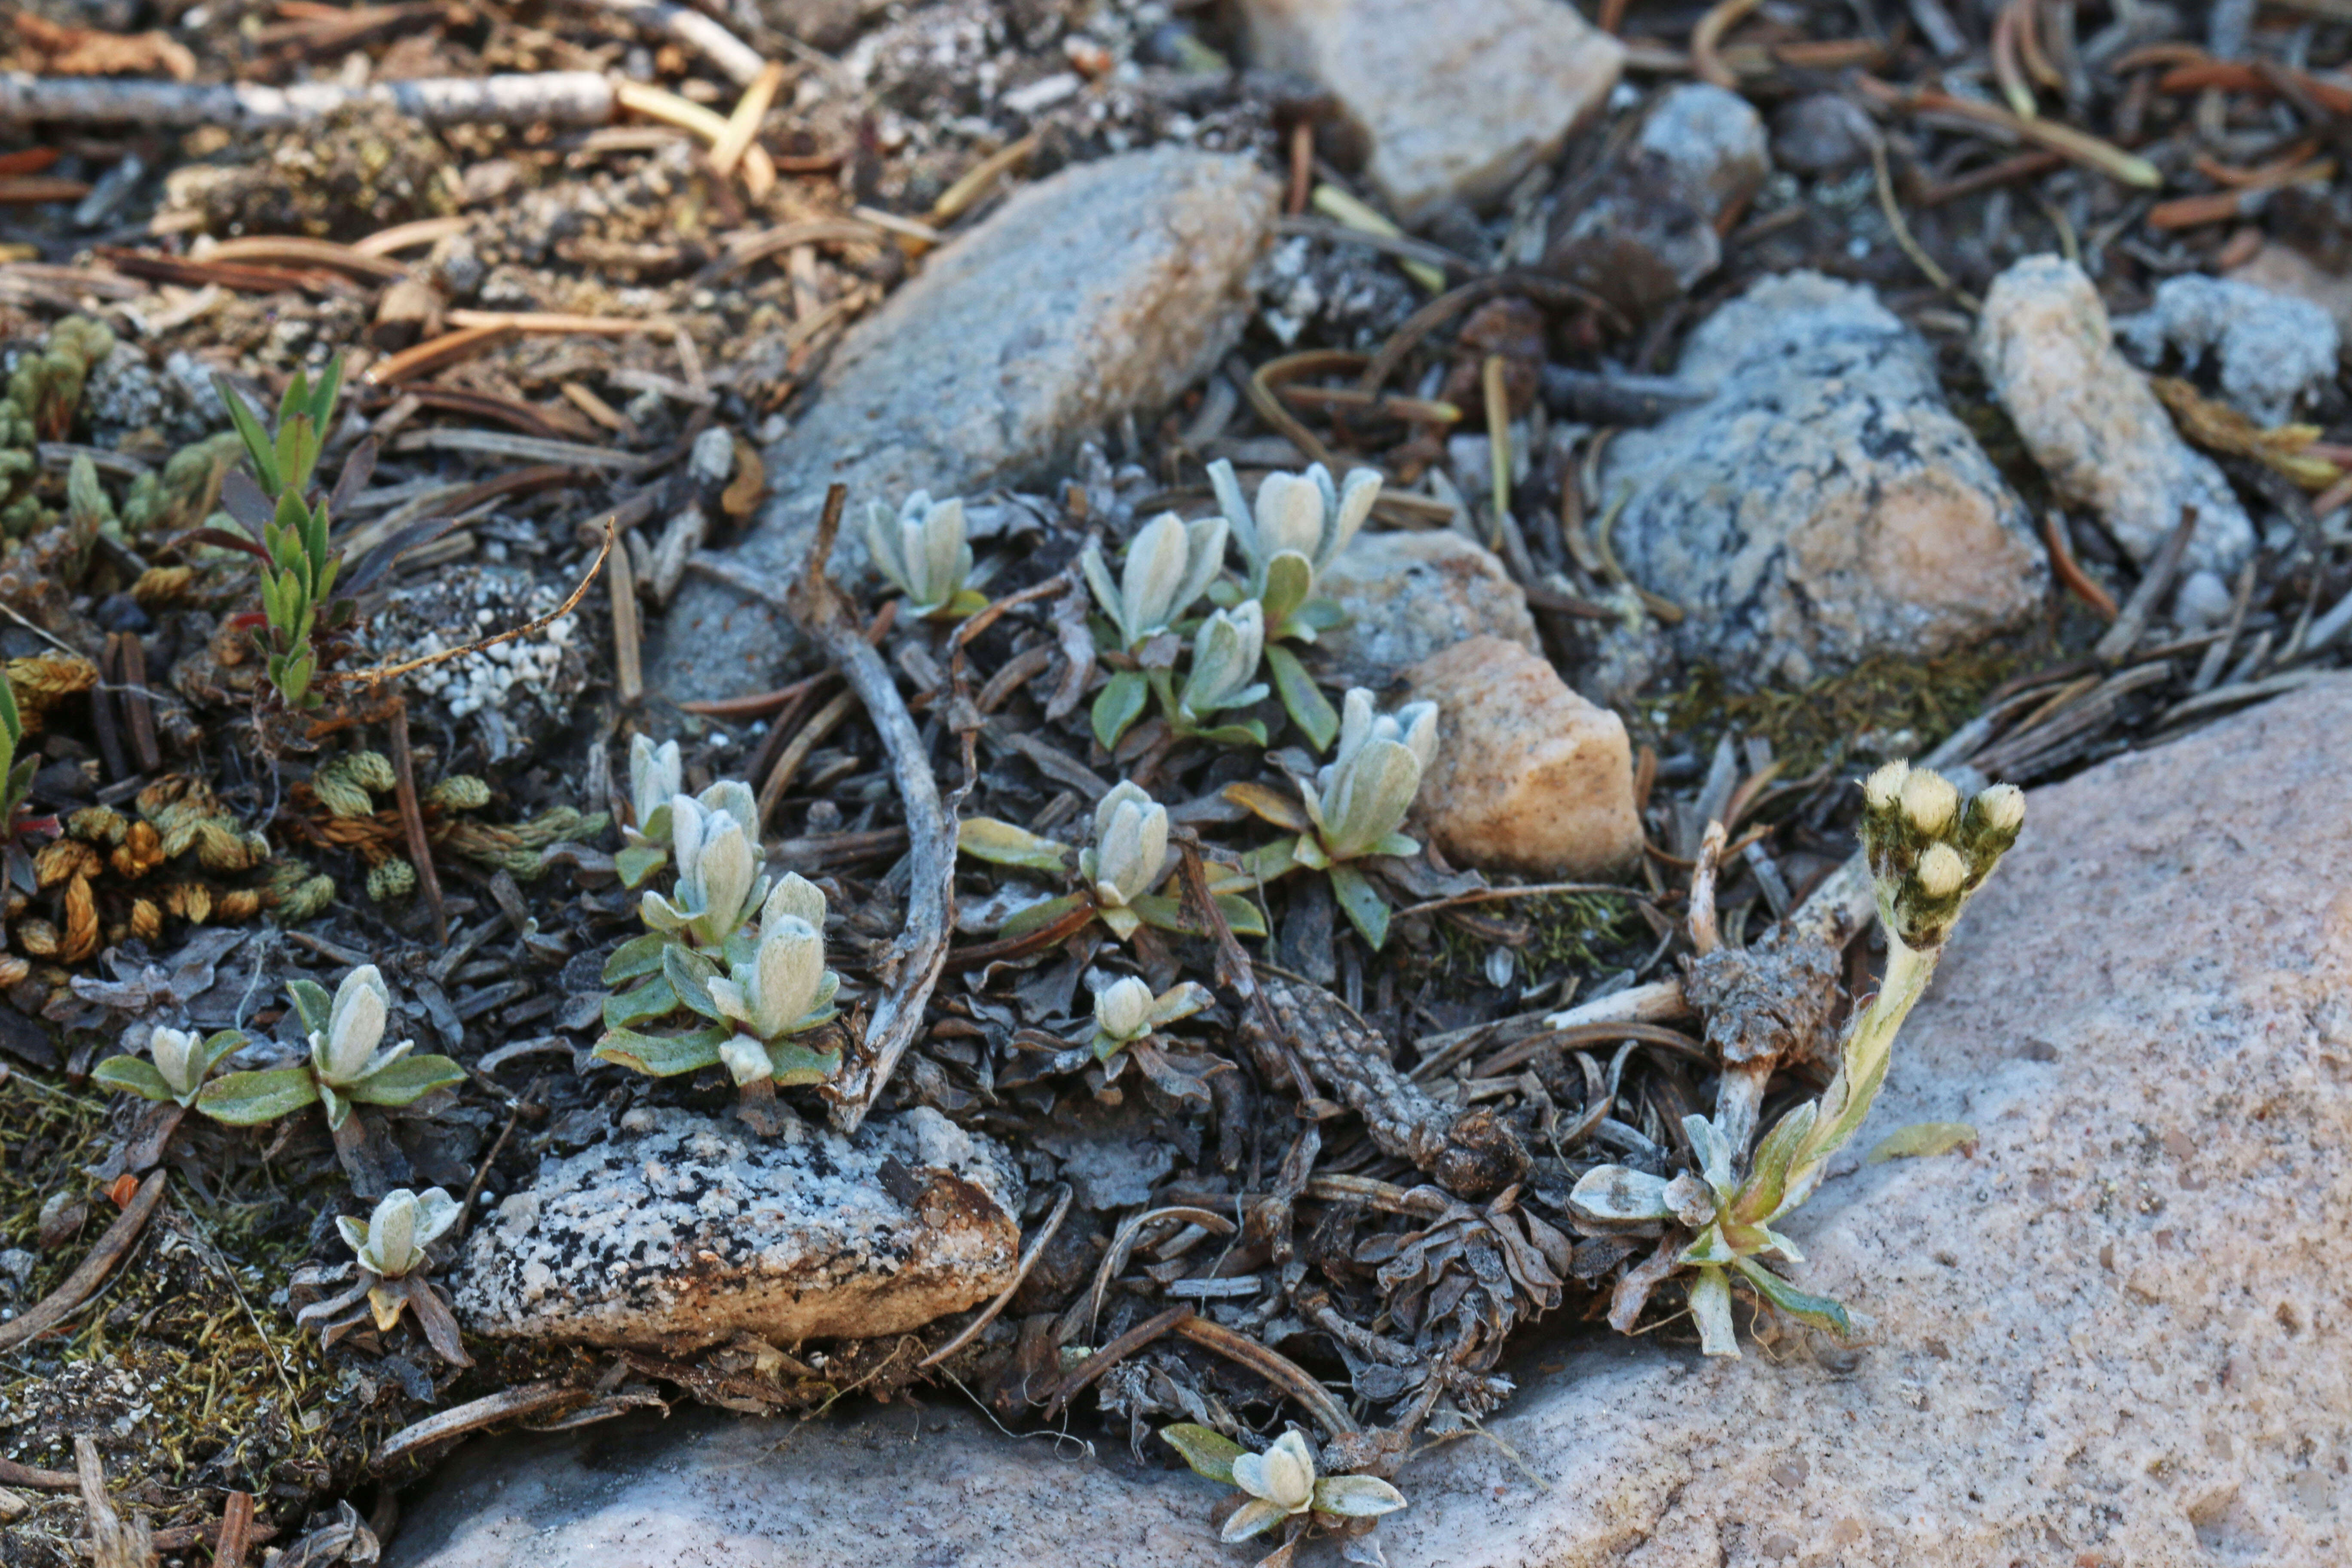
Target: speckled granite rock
x: 2275, y: 351
x: 2282, y: 269
x: 685, y: 1229
x: 1528, y: 776
x: 1825, y: 504
x: 1110, y: 287
x: 2113, y: 1336
x: 1411, y: 594
x: 1456, y: 99
x: 1646, y: 232
x: 2088, y: 417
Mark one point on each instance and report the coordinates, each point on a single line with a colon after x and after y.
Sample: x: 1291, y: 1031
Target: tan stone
x: 1528, y: 777
x: 1457, y: 99
x: 1411, y: 594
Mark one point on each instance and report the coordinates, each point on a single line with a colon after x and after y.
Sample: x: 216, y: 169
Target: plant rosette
x: 1280, y: 1484
x: 1118, y: 872
x: 390, y: 1246
x: 349, y: 1064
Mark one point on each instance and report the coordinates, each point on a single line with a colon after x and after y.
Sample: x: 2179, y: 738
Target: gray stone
x: 1411, y: 594
x: 2114, y: 1333
x: 2089, y: 419
x: 684, y: 1230
x: 1824, y: 504
x: 1821, y: 133
x: 1647, y: 232
x: 2282, y: 269
x: 1456, y: 99
x: 1106, y: 289
x: 2275, y: 351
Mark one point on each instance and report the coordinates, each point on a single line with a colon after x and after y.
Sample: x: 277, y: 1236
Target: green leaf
x: 1240, y: 914
x: 1249, y: 732
x: 643, y: 1004
x: 1290, y: 578
x: 1210, y: 1454
x: 405, y: 1081
x: 1302, y: 699
x: 1357, y: 1497
x: 1268, y: 806
x: 1362, y: 904
x: 1818, y: 1311
x: 250, y: 1099
x: 1003, y: 843
x: 312, y: 1003
x: 797, y: 1065
x: 663, y: 1056
x: 636, y: 958
x: 1120, y: 704
x: 1921, y: 1138
x: 1396, y: 844
x: 1323, y: 614
x: 1270, y: 862
x: 1038, y: 916
x: 296, y: 398
x: 132, y: 1075
x: 689, y: 976
x: 249, y: 431
x: 323, y: 395
x: 638, y: 862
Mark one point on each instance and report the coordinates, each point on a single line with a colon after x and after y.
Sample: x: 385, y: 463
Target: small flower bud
x: 355, y: 1026
x: 1123, y: 1009
x: 176, y: 1058
x: 1885, y: 788
x: 1131, y: 845
x: 1930, y: 801
x: 392, y: 1242
x: 1225, y: 654
x: 1169, y: 567
x: 1941, y: 871
x: 921, y: 550
x: 2002, y: 809
x: 656, y: 773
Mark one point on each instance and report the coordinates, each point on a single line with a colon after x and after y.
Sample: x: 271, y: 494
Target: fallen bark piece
x: 685, y: 1230
x: 551, y: 98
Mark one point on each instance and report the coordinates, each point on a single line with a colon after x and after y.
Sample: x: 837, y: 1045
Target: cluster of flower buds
x: 782, y: 989
x: 1300, y: 524
x: 1169, y: 567
x: 1126, y: 1012
x: 1928, y: 851
x: 182, y: 1062
x: 1225, y: 654
x: 715, y: 844
x: 1279, y: 1484
x: 1128, y: 855
x: 391, y: 1241
x: 1360, y: 798
x: 922, y: 551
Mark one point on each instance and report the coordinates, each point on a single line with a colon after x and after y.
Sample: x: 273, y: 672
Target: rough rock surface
x: 1411, y: 594
x: 685, y: 1230
x: 1111, y: 286
x: 1825, y: 503
x: 1648, y: 231
x: 2113, y: 1334
x: 2275, y: 351
x: 2091, y: 422
x: 1456, y: 99
x: 2282, y: 269
x: 1528, y: 776
x: 1821, y: 133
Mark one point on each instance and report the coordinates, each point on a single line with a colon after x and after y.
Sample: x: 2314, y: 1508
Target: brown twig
x: 1111, y: 1355
x: 83, y: 1282
x: 920, y: 952
x: 440, y: 1427
x: 236, y: 1537
x: 2070, y: 572
x: 411, y: 818
x: 822, y: 723
x: 13, y: 1473
x: 1272, y: 1365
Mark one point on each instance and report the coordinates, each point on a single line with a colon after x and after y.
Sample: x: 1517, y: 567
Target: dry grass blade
x: 83, y: 1282
x: 1706, y: 38
x: 377, y: 674
x: 2080, y: 146
x: 974, y: 183
x: 505, y: 1405
x: 412, y: 821
x: 743, y: 125
x: 653, y: 103
x: 1272, y: 1365
x: 2070, y: 572
x: 1111, y: 1355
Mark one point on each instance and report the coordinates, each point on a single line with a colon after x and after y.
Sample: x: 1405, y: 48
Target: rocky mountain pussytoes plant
x: 655, y: 774
x: 1280, y: 1487
x: 744, y: 956
x: 1118, y: 873
x: 1170, y: 564
x: 923, y: 552
x: 1300, y: 524
x: 1352, y: 810
x: 392, y: 1259
x: 348, y: 1062
x: 1127, y: 1013
x: 1927, y: 852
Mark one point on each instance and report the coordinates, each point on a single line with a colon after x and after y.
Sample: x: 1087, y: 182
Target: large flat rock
x: 2114, y: 1334
x: 1110, y: 288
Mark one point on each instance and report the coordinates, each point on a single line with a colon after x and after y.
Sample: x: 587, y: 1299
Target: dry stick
x: 111, y: 1248
x: 551, y: 98
x: 2120, y: 637
x: 1111, y: 1355
x: 412, y: 819
x: 2079, y: 583
x: 824, y: 722
x: 236, y: 1537
x: 113, y: 1543
x: 921, y: 950
x: 13, y: 1473
x: 743, y: 124
x: 1275, y: 1368
x: 738, y: 60
x: 628, y: 639
x: 1035, y: 1249
x: 527, y: 1400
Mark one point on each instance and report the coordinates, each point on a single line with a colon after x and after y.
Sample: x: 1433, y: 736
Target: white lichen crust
x: 684, y: 1230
